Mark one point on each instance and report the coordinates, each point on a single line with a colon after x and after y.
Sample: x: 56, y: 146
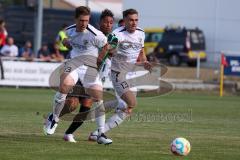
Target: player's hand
x: 112, y: 41
x: 99, y: 62
x: 66, y: 43
x: 148, y: 66
x: 111, y: 50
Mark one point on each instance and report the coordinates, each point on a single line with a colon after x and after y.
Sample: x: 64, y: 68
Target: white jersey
x: 87, y: 42
x: 11, y: 51
x: 130, y: 44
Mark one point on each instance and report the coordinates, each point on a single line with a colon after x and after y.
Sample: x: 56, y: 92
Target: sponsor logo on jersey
x: 79, y: 46
x: 129, y: 45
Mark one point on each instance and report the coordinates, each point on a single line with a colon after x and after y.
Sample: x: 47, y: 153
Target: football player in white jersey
x: 85, y: 41
x: 106, y: 25
x: 130, y: 52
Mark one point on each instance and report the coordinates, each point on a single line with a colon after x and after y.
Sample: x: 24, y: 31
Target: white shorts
x: 121, y: 82
x: 87, y: 75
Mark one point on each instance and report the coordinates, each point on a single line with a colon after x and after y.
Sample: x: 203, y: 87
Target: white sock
x: 58, y: 104
x: 100, y: 116
x: 119, y: 104
x: 115, y: 120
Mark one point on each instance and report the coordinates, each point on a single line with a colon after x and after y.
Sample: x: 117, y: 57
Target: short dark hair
x: 82, y: 10
x: 106, y: 13
x: 129, y: 12
x: 120, y: 22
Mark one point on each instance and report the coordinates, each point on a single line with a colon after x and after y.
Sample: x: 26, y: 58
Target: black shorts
x: 78, y: 91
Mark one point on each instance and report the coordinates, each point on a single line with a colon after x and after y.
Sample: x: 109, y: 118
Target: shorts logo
x: 124, y: 85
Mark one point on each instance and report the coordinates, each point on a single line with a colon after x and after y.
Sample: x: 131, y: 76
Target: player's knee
x: 65, y: 87
x: 132, y: 103
x: 66, y: 84
x: 63, y: 90
x: 130, y: 106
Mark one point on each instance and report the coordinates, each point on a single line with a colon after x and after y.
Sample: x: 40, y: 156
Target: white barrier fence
x: 37, y: 74
x: 31, y: 74
x: 20, y: 73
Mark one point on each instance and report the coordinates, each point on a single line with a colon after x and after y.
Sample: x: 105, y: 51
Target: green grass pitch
x: 210, y: 123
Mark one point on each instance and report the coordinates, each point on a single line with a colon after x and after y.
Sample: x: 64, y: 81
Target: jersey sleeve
x: 67, y: 32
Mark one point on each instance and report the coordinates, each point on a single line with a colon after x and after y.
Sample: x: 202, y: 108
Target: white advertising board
x: 18, y: 73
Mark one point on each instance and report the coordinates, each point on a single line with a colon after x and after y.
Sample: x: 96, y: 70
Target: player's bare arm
x: 142, y: 59
x: 101, y: 55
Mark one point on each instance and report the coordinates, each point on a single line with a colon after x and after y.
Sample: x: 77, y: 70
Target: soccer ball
x: 180, y: 146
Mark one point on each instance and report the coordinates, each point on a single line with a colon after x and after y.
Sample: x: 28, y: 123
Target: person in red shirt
x: 3, y: 36
x: 3, y: 33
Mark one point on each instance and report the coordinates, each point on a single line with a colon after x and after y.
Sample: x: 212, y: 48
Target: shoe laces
x: 103, y: 135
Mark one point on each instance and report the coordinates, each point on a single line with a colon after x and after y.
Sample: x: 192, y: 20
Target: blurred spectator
x: 3, y: 33
x: 121, y: 23
x: 60, y: 37
x: 44, y: 53
x: 26, y: 51
x: 55, y: 54
x: 9, y: 49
